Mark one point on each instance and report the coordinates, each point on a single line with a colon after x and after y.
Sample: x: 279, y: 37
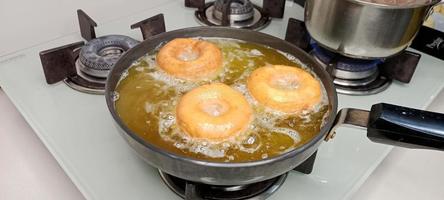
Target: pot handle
x: 396, y: 125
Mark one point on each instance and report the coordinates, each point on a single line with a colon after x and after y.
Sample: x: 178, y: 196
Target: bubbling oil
x: 147, y: 100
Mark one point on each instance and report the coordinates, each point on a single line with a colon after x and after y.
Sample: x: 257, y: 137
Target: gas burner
x: 99, y: 55
x: 191, y: 190
x: 242, y: 15
x: 85, y: 67
x: 95, y: 60
x: 236, y: 13
x: 240, y: 10
x: 84, y: 82
x: 345, y: 67
x: 351, y: 76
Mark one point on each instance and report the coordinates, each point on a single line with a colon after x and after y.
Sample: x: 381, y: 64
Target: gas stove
x: 78, y: 130
x: 85, y: 66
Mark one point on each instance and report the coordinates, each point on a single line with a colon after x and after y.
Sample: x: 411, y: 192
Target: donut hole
x: 188, y: 53
x: 214, y: 107
x: 284, y: 82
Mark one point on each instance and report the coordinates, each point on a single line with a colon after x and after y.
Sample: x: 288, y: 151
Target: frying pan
x: 385, y: 123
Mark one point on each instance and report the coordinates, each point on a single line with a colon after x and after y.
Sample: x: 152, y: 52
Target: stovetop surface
x: 79, y: 131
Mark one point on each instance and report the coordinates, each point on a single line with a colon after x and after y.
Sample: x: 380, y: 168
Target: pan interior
x: 147, y: 98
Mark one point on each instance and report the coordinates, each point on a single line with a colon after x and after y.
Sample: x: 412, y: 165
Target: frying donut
x: 215, y: 112
x: 284, y: 88
x: 190, y: 59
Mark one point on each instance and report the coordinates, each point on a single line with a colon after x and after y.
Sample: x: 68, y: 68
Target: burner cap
x: 342, y: 62
x: 240, y: 10
x: 99, y: 55
x: 260, y: 190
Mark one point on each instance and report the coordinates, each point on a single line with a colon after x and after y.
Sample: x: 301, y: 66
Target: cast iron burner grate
x: 195, y: 191
x: 236, y: 13
x: 355, y: 76
x: 85, y: 67
x: 351, y: 76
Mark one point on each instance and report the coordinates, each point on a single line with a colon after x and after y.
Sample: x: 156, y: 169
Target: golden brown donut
x: 284, y: 88
x: 190, y: 59
x: 215, y: 112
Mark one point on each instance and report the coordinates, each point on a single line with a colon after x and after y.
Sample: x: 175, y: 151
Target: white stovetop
x: 29, y: 172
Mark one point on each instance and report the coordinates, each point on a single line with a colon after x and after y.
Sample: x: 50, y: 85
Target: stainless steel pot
x: 386, y: 123
x: 364, y: 30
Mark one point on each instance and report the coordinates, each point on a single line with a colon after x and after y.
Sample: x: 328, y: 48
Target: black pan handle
x: 406, y: 127
x: 396, y: 125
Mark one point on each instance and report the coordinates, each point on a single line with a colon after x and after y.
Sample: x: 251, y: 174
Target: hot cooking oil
x: 148, y: 98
